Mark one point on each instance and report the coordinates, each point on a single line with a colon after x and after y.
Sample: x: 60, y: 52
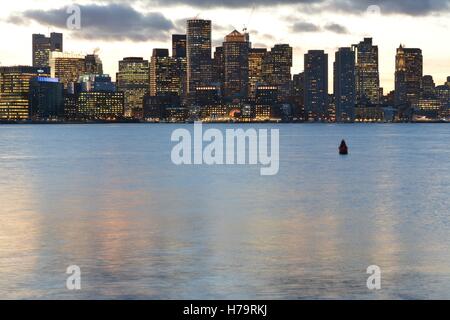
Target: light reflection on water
x: 108, y: 198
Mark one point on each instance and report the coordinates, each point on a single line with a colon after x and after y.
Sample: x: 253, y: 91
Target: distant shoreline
x: 206, y: 122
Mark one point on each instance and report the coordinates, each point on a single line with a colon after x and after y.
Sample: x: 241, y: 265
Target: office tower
x: 276, y: 69
x: 133, y: 79
x: 428, y: 86
x: 367, y: 72
x: 316, y: 84
x: 219, y: 67
x: 93, y: 64
x: 298, y: 84
x: 199, y: 62
x: 408, y: 76
x: 165, y: 77
x: 180, y: 62
x: 236, y: 49
x: 46, y: 98
x: 103, y: 83
x: 209, y: 101
x: 67, y: 67
x: 102, y: 105
x: 15, y: 90
x: 266, y: 99
x: 255, y: 69
x: 344, y: 84
x: 448, y: 82
x: 179, y: 46
x: 443, y: 94
x: 42, y: 46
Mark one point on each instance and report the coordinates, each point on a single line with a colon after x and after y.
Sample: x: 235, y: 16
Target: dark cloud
x: 301, y: 27
x: 107, y: 22
x: 408, y: 7
x: 336, y: 28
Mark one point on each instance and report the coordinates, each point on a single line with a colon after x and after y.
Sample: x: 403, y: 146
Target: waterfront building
x: 236, y: 55
x: 316, y: 85
x: 256, y: 58
x: 344, y: 84
x: 100, y: 105
x: 46, y: 98
x: 133, y: 79
x: 367, y: 72
x: 15, y: 90
x: 267, y: 99
x: 199, y: 62
x: 276, y: 69
x: 408, y: 76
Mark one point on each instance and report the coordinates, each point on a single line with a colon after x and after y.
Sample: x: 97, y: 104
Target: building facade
x: 199, y: 49
x: 236, y: 55
x: 15, y: 90
x: 43, y: 46
x: 133, y: 79
x: 345, y: 84
x: 316, y: 85
x: 367, y: 72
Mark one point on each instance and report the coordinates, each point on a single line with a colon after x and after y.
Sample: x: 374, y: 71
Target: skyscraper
x: 93, y: 64
x: 255, y: 69
x: 67, y: 67
x: 179, y: 46
x: 276, y: 69
x: 219, y: 66
x: 367, y: 72
x: 42, y: 46
x: 133, y: 79
x: 408, y: 76
x: 316, y: 84
x: 344, y: 84
x: 164, y: 74
x: 15, y: 90
x: 199, y: 62
x: 46, y: 98
x: 236, y: 50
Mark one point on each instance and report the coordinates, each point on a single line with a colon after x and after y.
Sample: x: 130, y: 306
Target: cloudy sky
x: 121, y: 28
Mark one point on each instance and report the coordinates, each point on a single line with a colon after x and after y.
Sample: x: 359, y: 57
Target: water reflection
x: 108, y: 199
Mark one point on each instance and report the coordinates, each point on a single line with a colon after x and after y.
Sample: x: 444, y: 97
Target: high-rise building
x: 255, y: 69
x: 15, y: 90
x: 316, y: 84
x: 43, y: 45
x: 179, y: 46
x: 46, y: 98
x: 164, y: 74
x: 199, y: 62
x: 428, y: 86
x: 266, y: 100
x: 133, y: 79
x: 367, y: 72
x: 93, y: 64
x: 219, y: 67
x: 236, y: 53
x: 344, y: 84
x: 276, y: 69
x: 67, y: 67
x: 100, y: 105
x: 179, y: 51
x: 408, y: 76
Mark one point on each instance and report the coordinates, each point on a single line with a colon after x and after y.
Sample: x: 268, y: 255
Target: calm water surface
x: 108, y: 199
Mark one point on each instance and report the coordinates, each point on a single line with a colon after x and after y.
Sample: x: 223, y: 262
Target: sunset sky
x: 133, y: 28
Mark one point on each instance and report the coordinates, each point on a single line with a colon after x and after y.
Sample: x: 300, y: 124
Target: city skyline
x: 333, y: 30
